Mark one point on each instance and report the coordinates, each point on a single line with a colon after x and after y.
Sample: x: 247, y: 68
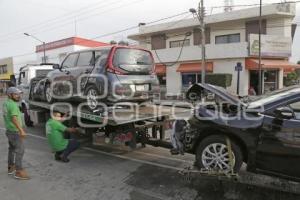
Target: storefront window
x: 188, y: 79
x: 270, y: 80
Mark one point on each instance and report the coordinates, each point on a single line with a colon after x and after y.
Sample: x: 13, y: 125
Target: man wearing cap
x: 15, y: 133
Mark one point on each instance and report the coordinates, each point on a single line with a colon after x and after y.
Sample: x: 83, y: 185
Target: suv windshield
x: 133, y: 61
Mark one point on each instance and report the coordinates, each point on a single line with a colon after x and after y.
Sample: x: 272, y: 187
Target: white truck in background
x: 26, y: 74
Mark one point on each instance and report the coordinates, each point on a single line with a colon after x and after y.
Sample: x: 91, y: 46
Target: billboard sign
x: 271, y: 45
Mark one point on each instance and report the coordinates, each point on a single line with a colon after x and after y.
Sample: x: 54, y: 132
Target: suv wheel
x: 91, y: 96
x: 212, y: 153
x: 49, y: 94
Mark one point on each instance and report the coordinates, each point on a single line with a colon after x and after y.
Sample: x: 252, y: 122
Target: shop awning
x: 194, y: 67
x: 252, y: 64
x: 160, y: 69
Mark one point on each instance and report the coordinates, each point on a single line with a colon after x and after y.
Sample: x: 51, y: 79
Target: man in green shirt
x: 15, y: 133
x: 55, y: 131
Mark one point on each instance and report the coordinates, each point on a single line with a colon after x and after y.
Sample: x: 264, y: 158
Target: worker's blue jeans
x: 72, y: 146
x: 15, y: 150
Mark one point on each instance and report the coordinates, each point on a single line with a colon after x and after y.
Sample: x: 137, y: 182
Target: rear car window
x: 133, y: 61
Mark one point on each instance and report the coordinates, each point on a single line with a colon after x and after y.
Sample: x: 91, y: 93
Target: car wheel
x: 49, y: 94
x: 91, y: 97
x: 212, y: 154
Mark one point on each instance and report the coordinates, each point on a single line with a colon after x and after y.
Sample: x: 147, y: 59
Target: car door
x: 278, y: 148
x: 61, y: 77
x: 83, y: 66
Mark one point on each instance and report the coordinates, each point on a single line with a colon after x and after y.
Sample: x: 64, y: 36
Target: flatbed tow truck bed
x: 138, y: 119
x: 118, y: 115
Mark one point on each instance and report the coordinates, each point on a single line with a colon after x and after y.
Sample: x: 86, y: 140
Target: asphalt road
x: 113, y: 173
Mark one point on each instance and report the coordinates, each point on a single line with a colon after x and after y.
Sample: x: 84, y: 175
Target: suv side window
x: 70, y: 61
x: 101, y: 57
x: 85, y: 59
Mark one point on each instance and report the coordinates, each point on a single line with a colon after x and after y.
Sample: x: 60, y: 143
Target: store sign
x: 56, y: 44
x: 271, y: 45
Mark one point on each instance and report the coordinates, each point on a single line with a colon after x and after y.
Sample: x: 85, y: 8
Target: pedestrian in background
x: 251, y: 91
x: 15, y: 133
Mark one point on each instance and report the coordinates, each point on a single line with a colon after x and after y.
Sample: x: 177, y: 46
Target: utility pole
x: 260, y: 81
x: 201, y: 16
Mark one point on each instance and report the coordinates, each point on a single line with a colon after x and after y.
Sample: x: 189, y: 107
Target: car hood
x: 195, y: 92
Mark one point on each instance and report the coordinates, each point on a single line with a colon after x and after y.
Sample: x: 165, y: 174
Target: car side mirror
x: 284, y: 113
x: 56, y: 66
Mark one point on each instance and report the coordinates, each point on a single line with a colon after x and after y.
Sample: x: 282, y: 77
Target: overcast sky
x: 55, y: 19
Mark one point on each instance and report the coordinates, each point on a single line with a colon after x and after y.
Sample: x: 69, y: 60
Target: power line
x: 84, y: 18
x: 254, y: 4
x: 116, y: 32
x: 53, y: 19
x: 134, y: 27
x: 181, y: 49
x: 53, y: 26
x: 71, y: 20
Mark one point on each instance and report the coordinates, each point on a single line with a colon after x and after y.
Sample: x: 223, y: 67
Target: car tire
x: 91, y: 93
x: 212, y: 153
x: 48, y: 93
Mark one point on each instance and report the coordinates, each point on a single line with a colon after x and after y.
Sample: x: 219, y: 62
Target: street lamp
x: 200, y: 16
x: 44, y: 48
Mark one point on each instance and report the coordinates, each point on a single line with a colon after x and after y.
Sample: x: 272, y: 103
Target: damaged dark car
x: 263, y: 133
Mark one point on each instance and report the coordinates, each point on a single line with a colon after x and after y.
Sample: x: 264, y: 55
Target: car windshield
x: 273, y: 96
x: 133, y: 61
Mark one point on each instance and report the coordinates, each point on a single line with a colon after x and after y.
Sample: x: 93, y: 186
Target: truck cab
x: 29, y: 72
x: 26, y: 74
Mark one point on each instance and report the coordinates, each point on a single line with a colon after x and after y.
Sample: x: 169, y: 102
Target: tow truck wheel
x: 27, y: 119
x: 212, y: 154
x: 48, y: 94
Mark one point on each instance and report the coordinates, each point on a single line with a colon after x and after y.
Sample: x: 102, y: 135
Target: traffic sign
x: 238, y: 67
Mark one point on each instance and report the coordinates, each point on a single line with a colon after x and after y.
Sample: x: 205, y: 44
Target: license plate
x: 142, y: 87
